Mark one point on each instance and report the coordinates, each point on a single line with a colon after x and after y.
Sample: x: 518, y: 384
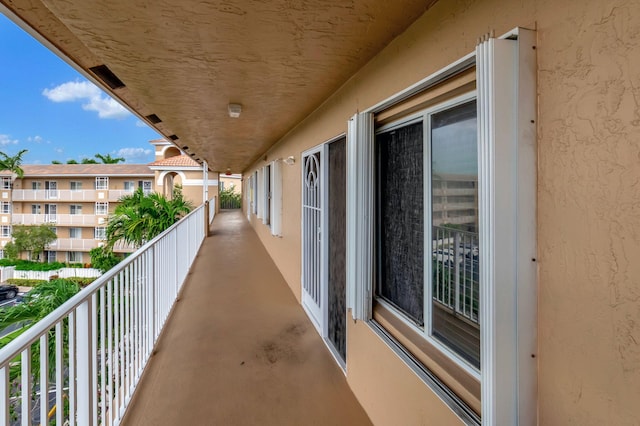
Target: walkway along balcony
x: 237, y: 347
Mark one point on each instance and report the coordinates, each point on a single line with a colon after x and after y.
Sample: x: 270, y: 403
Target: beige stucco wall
x: 588, y: 200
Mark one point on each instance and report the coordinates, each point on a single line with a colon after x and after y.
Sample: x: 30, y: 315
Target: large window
x: 102, y: 209
x: 75, y: 233
x: 6, y: 183
x: 5, y: 207
x: 451, y: 243
x: 102, y: 183
x: 427, y: 245
x: 100, y: 233
x: 5, y: 231
x: 36, y: 208
x: 74, y: 256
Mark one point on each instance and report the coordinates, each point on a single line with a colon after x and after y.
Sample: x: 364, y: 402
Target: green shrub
x: 81, y: 281
x: 29, y: 265
x: 25, y: 282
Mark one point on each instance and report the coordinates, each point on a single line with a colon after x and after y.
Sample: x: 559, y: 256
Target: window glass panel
x: 76, y: 186
x: 400, y: 279
x: 454, y: 221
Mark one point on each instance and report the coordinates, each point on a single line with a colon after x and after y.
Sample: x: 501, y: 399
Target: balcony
x: 229, y: 346
x: 74, y: 244
x: 53, y: 194
x: 58, y: 219
x: 64, y: 195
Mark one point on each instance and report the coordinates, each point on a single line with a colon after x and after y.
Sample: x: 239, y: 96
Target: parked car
x: 445, y: 256
x: 8, y: 291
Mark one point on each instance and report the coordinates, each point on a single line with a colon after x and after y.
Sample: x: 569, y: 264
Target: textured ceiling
x: 186, y: 60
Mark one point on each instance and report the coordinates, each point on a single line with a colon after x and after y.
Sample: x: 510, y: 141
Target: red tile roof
x: 176, y: 161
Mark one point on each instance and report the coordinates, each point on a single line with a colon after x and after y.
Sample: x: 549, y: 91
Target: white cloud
x: 58, y: 150
x: 36, y: 139
x: 6, y: 140
x: 134, y: 155
x: 91, y: 97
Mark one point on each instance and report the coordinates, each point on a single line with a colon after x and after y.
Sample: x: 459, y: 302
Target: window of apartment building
x: 75, y: 209
x: 6, y: 183
x: 129, y: 185
x: 36, y: 208
x: 74, y: 256
x: 443, y: 266
x: 100, y: 233
x: 102, y: 208
x: 102, y: 182
x: 75, y: 233
x: 1, y: 254
x: 5, y: 207
x: 146, y: 186
x: 35, y: 185
x: 434, y: 285
x: 5, y: 231
x: 54, y: 229
x: 75, y: 185
x: 50, y: 256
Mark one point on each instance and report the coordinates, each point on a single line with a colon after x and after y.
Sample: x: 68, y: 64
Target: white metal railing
x: 212, y: 209
x: 456, y: 271
x: 57, y: 219
x: 100, y: 340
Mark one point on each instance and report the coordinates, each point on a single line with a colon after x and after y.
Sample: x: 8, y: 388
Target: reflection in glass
x: 454, y: 221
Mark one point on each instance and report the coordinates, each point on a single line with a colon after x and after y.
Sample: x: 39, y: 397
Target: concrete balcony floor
x: 238, y: 349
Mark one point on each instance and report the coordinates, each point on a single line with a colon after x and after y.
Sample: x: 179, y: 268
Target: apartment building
x: 77, y: 199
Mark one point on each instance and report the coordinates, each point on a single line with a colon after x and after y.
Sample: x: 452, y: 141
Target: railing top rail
x: 20, y: 343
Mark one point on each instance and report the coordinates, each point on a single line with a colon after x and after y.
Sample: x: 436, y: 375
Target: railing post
x: 206, y: 218
x: 84, y: 375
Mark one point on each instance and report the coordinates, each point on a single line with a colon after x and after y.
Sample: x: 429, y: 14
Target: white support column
x: 205, y: 181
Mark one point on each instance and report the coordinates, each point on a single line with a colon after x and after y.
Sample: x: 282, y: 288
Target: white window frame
x: 100, y: 233
x: 102, y: 208
x: 6, y: 183
x: 75, y: 231
x: 426, y: 332
x: 5, y: 207
x: 75, y: 185
x: 36, y: 185
x: 102, y: 183
x: 259, y: 193
x: 129, y: 185
x: 75, y: 209
x: 254, y: 192
x: 36, y: 208
x: 506, y: 85
x: 5, y: 231
x: 275, y: 215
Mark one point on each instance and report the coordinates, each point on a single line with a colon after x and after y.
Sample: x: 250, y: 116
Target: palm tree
x: 108, y: 159
x: 139, y: 217
x: 12, y: 163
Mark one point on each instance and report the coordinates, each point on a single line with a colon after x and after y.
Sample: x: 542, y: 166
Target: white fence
x: 101, y: 339
x: 10, y: 272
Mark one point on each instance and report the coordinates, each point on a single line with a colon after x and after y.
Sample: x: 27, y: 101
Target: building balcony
x: 68, y: 195
x: 208, y: 342
x: 74, y: 244
x: 59, y: 219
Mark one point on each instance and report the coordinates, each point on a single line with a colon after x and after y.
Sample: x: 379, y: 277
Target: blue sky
x: 49, y: 109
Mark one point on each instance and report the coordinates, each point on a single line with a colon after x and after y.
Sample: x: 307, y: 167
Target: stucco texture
x: 588, y: 196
